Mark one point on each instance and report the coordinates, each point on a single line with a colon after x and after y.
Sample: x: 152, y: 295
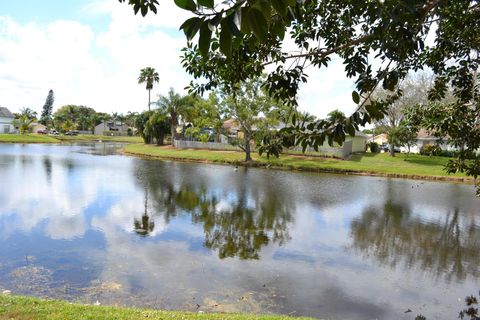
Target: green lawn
x: 27, y: 138
x: 401, y: 165
x: 38, y: 138
x: 26, y: 308
x: 102, y: 138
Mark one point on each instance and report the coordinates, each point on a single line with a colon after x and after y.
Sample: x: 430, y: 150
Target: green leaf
x: 186, y: 4
x: 225, y: 39
x: 355, y: 97
x: 257, y: 23
x: 232, y: 26
x: 244, y: 25
x: 206, y: 3
x: 190, y: 27
x: 264, y: 7
x: 279, y: 7
x: 204, y: 40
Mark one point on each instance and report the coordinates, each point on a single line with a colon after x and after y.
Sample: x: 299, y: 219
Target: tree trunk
x: 173, y: 127
x: 172, y: 132
x: 248, y: 156
x: 392, y: 150
x: 160, y: 140
x: 148, y: 99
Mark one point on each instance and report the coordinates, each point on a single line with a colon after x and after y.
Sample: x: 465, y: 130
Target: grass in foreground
x: 413, y: 165
x: 26, y: 308
x: 27, y: 138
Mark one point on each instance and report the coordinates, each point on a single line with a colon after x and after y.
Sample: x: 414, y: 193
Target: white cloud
x: 99, y: 68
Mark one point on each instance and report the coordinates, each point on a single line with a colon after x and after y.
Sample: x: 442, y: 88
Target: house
x: 111, y: 128
x: 6, y: 121
x: 380, y: 139
x: 425, y: 138
x: 36, y: 127
x: 359, y: 142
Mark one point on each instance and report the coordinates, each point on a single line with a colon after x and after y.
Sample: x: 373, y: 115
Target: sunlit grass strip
x: 16, y: 307
x: 27, y: 138
x: 87, y: 137
x: 402, y: 166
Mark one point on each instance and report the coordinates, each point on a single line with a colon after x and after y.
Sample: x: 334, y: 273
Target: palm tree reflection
x: 238, y: 224
x: 144, y: 226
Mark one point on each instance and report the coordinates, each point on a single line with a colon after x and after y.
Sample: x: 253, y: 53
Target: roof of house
x: 424, y: 134
x: 4, y: 112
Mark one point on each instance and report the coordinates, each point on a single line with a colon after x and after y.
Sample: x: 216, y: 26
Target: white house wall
x: 6, y: 125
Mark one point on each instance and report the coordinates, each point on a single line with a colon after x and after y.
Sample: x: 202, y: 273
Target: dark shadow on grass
x: 425, y: 160
x: 357, y: 157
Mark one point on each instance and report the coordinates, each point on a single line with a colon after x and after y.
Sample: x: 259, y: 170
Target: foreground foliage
x: 16, y: 307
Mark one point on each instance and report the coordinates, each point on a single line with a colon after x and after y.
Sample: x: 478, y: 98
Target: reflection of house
x: 6, y: 121
x: 111, y: 128
x: 35, y: 127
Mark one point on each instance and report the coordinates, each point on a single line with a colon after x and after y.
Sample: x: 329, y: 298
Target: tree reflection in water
x: 238, y: 223
x: 144, y: 226
x: 445, y: 248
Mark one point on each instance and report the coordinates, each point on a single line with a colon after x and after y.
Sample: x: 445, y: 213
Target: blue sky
x: 90, y: 53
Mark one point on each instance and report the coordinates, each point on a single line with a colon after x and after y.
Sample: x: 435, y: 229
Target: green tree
x: 70, y: 117
x: 23, y: 123
x: 148, y: 76
x: 414, y: 94
x: 157, y: 126
x: 140, y: 125
x: 251, y: 108
x: 239, y: 39
x: 46, y: 116
x: 175, y: 105
x: 458, y: 124
x: 207, y: 113
x: 402, y: 136
x: 29, y: 113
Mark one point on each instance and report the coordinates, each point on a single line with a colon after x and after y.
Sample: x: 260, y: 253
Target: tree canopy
x: 379, y: 43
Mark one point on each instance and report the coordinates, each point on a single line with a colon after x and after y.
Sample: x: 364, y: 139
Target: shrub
x: 430, y: 150
x: 374, y: 148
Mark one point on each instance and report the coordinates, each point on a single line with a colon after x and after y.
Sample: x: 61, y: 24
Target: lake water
x: 84, y: 223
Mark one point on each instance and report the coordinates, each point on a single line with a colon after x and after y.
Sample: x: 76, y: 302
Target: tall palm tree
x: 175, y: 105
x: 149, y: 76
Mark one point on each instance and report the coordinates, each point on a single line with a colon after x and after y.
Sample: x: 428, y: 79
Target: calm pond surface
x: 83, y: 223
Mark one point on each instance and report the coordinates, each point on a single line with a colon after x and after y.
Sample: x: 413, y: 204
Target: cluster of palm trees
x: 170, y: 108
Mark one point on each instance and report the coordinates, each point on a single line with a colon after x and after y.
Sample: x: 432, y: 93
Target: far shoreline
x: 298, y: 168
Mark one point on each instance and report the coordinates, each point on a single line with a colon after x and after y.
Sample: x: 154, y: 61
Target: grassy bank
x: 27, y: 138
x: 412, y: 166
x: 15, y: 307
x: 38, y: 138
x: 86, y: 138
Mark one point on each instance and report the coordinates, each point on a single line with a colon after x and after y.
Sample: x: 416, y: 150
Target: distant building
x: 6, y: 121
x: 381, y: 139
x: 36, y: 127
x: 111, y: 128
x: 424, y: 137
